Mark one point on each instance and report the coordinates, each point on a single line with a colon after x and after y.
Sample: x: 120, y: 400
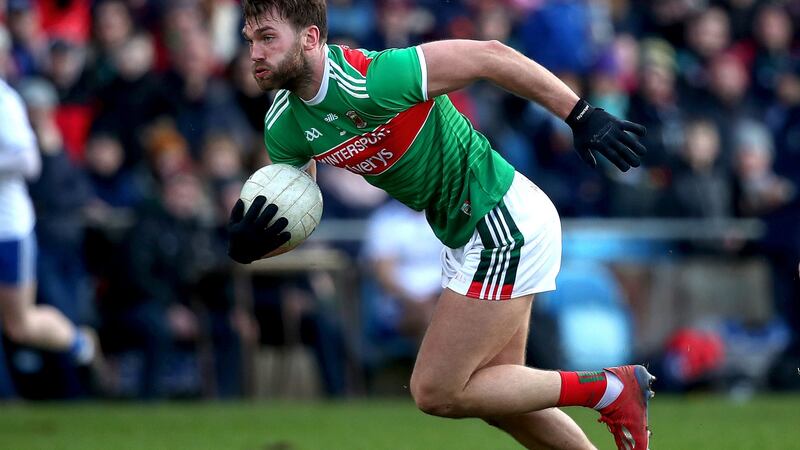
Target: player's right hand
x: 596, y: 131
x: 250, y: 237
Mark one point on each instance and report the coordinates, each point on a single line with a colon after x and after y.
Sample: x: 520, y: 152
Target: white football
x: 296, y: 195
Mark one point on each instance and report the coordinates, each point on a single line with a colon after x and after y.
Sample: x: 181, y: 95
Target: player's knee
x: 436, y: 399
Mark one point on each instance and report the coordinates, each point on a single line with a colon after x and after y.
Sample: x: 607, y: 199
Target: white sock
x: 613, y: 389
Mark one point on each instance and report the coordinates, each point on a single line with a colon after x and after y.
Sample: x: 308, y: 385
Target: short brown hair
x: 301, y: 13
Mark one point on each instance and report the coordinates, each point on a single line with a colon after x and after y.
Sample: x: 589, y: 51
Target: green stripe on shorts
x: 519, y: 241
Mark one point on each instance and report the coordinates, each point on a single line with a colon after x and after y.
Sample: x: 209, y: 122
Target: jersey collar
x: 323, y: 87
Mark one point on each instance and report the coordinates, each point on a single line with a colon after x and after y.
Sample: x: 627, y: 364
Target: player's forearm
x: 524, y: 77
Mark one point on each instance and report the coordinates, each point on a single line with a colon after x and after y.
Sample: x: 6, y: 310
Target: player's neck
x: 310, y: 88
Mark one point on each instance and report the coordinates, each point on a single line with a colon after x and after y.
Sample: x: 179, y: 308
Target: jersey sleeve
x: 280, y: 154
x: 397, y: 79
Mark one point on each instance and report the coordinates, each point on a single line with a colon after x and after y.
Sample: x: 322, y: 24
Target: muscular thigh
x: 466, y: 334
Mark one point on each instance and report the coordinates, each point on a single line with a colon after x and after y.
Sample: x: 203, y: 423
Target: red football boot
x: 626, y: 417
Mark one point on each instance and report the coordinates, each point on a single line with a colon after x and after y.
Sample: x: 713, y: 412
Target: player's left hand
x: 595, y: 130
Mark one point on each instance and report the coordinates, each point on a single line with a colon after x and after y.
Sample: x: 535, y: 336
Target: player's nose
x: 256, y: 53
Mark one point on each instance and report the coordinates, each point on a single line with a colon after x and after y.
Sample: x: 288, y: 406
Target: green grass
x: 703, y: 422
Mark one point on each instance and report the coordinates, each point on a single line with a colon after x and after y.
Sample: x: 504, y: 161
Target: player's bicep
x: 454, y: 64
x: 396, y: 78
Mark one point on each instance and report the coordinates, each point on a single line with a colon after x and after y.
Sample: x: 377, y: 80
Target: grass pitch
x: 703, y: 422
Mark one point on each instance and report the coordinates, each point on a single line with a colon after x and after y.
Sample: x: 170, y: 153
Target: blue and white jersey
x: 19, y: 160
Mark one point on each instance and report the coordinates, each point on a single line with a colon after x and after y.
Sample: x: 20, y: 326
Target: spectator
x: 221, y: 159
x: 656, y: 103
x: 727, y: 101
x: 115, y: 191
x: 783, y: 118
x: 60, y: 195
x: 169, y: 250
x: 760, y: 190
x: 112, y: 27
x: 772, y: 48
x: 167, y: 153
x: 133, y: 99
x: 707, y: 37
x: 700, y: 187
x: 230, y: 324
x: 75, y: 111
x: 30, y: 46
x: 404, y: 257
x: 116, y: 194
x: 200, y: 102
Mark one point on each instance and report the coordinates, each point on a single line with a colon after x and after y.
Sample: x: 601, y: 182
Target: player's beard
x: 291, y: 73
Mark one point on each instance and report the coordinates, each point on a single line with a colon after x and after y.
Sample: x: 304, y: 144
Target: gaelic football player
x: 385, y: 115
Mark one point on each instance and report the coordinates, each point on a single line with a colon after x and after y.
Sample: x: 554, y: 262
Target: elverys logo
x: 374, y: 152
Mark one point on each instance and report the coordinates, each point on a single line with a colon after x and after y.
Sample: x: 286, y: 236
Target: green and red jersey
x: 372, y: 116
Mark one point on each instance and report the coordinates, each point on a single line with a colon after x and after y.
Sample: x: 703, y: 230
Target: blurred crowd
x: 148, y: 120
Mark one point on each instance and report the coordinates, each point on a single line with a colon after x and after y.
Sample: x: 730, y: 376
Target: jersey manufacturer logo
x: 312, y: 134
x: 357, y: 120
x: 466, y: 208
x: 331, y: 117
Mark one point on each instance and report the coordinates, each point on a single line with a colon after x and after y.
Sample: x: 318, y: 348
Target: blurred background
x: 148, y: 121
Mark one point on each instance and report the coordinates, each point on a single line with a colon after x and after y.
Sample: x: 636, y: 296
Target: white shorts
x: 515, y: 249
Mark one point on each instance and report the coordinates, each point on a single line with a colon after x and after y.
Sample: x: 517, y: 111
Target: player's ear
x: 310, y: 37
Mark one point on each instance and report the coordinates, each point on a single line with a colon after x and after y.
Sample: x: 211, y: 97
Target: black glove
x: 250, y: 237
x: 595, y: 130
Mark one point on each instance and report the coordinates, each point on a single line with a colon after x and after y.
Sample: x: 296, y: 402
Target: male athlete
x: 24, y: 322
x: 385, y: 115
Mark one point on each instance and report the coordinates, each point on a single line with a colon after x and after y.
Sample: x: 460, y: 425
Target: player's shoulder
x: 350, y: 62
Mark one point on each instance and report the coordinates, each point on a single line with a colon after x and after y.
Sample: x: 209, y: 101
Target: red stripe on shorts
x: 475, y: 289
x: 505, y: 292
